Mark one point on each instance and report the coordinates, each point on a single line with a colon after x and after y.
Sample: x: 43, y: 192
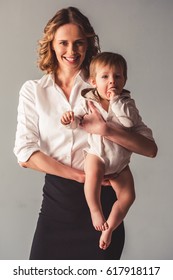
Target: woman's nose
x: 71, y: 49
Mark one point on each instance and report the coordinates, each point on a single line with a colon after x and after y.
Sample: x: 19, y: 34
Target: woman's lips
x: 71, y: 59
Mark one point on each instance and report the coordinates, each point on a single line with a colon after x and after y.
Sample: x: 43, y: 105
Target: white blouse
x: 41, y: 105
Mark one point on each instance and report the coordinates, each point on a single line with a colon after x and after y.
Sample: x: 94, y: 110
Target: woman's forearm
x: 43, y: 163
x: 132, y: 141
x: 93, y: 123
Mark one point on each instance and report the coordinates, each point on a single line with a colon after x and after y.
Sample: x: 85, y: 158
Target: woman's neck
x: 65, y: 80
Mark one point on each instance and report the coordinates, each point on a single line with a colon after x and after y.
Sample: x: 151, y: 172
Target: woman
x: 64, y: 229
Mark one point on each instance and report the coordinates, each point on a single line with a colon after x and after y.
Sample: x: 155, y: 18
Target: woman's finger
x: 92, y: 107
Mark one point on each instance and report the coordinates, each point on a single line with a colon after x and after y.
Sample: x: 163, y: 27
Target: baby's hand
x: 67, y: 117
x: 112, y: 93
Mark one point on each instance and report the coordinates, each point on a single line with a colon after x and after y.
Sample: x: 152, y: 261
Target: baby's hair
x: 110, y: 59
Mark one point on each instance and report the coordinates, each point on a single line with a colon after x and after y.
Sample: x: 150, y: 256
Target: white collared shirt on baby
x: 122, y: 111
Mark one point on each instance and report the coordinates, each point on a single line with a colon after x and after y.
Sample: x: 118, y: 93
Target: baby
x: 108, y: 75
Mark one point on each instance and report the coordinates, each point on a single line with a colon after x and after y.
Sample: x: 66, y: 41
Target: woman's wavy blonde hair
x: 47, y: 60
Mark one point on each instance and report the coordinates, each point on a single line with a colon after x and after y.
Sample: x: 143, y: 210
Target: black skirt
x: 64, y: 229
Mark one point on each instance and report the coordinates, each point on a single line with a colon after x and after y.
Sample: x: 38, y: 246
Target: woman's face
x: 70, y: 46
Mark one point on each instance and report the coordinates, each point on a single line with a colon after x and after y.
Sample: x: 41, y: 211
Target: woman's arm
x: 134, y: 142
x: 43, y: 163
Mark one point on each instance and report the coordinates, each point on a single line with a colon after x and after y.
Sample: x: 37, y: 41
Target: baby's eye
x: 117, y: 76
x: 104, y: 76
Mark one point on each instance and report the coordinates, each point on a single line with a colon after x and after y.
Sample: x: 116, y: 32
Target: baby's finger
x: 64, y: 120
x: 69, y: 115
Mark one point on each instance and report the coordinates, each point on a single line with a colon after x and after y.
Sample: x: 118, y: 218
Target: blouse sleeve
x: 27, y: 134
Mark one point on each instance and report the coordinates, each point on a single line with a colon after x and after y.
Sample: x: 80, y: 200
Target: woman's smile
x: 73, y: 59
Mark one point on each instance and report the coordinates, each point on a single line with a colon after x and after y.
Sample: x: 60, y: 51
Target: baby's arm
x: 67, y: 117
x: 125, y: 110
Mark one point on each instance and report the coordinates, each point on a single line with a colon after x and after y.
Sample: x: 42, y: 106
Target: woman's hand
x: 106, y: 183
x: 78, y: 176
x: 93, y: 122
x: 107, y: 178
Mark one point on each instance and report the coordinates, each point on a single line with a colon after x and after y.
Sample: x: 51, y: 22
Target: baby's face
x: 109, y: 81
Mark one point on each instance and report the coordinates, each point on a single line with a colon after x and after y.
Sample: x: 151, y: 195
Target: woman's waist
x: 68, y: 151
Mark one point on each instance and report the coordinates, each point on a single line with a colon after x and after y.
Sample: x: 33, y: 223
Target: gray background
x: 141, y: 30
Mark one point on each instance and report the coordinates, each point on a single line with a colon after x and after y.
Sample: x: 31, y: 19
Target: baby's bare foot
x: 105, y: 239
x: 99, y: 221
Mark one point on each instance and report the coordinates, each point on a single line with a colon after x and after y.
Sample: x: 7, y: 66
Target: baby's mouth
x: 112, y: 89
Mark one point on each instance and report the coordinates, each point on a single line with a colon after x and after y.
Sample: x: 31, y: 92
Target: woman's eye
x: 63, y: 43
x: 104, y: 77
x: 79, y: 43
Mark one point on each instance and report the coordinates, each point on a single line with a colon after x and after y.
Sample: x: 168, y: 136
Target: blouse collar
x: 49, y: 79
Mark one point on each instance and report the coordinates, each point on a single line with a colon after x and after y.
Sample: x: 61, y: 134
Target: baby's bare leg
x: 124, y: 188
x: 94, y: 172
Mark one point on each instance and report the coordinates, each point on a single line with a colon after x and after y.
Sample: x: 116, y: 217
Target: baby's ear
x: 92, y: 81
